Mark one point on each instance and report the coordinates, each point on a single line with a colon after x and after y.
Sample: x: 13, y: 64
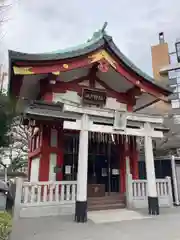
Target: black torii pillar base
x: 81, y: 212
x: 153, y: 205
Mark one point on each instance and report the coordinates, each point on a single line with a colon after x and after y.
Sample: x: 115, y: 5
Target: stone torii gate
x: 85, y: 120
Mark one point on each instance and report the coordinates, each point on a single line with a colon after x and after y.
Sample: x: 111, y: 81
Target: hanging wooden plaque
x: 94, y: 97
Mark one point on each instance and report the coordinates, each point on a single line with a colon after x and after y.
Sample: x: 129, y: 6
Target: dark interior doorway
x: 103, y: 160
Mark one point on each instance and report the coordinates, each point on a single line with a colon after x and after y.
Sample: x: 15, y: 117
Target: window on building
x: 173, y: 58
x: 178, y: 88
x: 178, y: 80
x: 177, y: 45
x: 175, y: 103
x: 178, y: 73
x: 54, y: 137
x: 175, y: 90
x: 173, y: 85
x: 173, y: 80
x: 172, y: 74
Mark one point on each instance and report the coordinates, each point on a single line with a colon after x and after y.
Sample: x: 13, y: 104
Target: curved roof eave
x: 98, y: 41
x: 79, y: 50
x: 132, y: 66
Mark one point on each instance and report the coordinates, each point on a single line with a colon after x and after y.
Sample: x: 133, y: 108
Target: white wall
x: 47, y: 210
x: 34, y: 174
x: 52, y: 165
x: 111, y: 103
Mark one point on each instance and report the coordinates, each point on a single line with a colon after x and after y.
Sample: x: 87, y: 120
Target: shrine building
x: 82, y: 106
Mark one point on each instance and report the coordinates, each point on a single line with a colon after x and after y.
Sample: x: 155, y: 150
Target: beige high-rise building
x: 160, y: 59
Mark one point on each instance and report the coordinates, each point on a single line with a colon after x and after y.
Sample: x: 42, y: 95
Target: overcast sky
x: 46, y: 25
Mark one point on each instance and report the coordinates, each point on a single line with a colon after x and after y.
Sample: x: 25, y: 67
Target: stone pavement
x: 166, y: 227
x: 114, y: 215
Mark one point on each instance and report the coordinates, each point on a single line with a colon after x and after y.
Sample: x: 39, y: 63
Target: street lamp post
x: 5, y: 171
x: 5, y: 174
x: 175, y: 187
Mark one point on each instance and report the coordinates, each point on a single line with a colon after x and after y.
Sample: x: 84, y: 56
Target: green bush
x: 5, y: 225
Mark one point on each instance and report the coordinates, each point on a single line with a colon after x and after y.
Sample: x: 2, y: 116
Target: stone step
x: 99, y: 207
x: 114, y: 201
x: 105, y: 200
x: 118, y: 195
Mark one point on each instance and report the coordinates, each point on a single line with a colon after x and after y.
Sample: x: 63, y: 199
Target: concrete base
x: 81, y: 211
x: 153, y: 205
x: 47, y: 210
x: 143, y: 203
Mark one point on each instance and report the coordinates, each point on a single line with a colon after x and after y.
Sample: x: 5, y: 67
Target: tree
x: 6, y: 117
x: 4, y: 8
x: 5, y: 108
x: 16, y: 154
x: 3, y: 75
x: 18, y: 149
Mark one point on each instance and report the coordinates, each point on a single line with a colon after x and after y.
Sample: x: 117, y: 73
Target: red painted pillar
x: 29, y: 167
x: 60, y: 156
x: 45, y: 155
x: 135, y: 172
x: 122, y: 150
x: 131, y: 155
x: 128, y: 147
x: 29, y: 158
x: 134, y: 154
x: 45, y: 142
x: 48, y: 97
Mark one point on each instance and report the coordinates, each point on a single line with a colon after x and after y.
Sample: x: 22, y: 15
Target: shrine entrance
x: 103, y: 163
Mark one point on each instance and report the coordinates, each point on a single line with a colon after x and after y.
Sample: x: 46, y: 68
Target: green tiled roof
x: 97, y: 36
x: 99, y: 40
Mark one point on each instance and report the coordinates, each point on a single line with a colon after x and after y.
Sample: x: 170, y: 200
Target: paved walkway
x: 166, y: 227
x: 116, y: 215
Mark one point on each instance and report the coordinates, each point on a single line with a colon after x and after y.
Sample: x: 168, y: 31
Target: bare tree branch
x: 4, y: 9
x: 17, y: 152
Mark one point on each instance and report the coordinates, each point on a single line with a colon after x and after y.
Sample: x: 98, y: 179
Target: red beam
x: 92, y: 76
x: 123, y: 70
x: 43, y: 69
x: 134, y: 91
x: 140, y: 82
x: 63, y: 87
